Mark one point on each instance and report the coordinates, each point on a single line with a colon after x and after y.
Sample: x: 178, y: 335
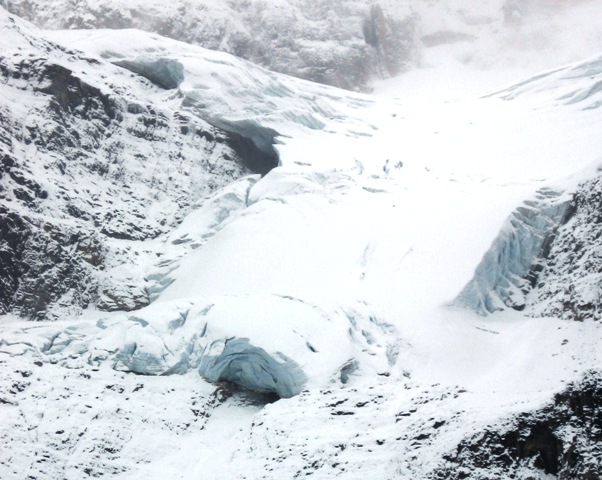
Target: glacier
x: 167, y: 73
x: 523, y: 261
x: 252, y: 369
x: 271, y: 269
x: 263, y: 344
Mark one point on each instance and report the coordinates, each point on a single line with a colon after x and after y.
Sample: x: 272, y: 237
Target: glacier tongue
x: 262, y: 343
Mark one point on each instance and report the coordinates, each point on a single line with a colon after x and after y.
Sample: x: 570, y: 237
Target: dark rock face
x: 90, y: 166
x: 42, y: 264
x: 570, y: 286
x: 562, y: 439
x: 391, y: 38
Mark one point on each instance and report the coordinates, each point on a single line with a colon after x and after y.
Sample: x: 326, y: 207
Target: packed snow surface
x: 329, y: 284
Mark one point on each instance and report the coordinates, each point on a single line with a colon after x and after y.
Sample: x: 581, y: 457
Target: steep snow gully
x: 239, y: 274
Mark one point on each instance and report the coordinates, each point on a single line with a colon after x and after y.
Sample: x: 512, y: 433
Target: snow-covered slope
x: 538, y: 262
x: 300, y: 321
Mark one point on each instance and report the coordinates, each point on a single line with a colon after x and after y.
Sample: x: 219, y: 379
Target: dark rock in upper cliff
x: 340, y: 43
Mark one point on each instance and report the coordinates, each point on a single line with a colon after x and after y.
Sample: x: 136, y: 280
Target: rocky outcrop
x: 563, y: 439
x: 344, y: 44
x: 91, y: 164
x: 43, y: 264
x: 570, y: 286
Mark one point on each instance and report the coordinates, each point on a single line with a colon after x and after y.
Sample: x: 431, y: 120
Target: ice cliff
x: 539, y: 262
x: 510, y: 268
x: 258, y: 343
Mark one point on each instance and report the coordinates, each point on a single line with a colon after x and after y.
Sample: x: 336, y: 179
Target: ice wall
x: 269, y: 344
x: 251, y: 368
x: 509, y: 269
x: 167, y: 73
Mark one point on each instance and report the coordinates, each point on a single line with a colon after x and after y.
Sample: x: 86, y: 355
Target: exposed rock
x: 393, y: 40
x: 80, y: 143
x: 40, y: 265
x: 570, y: 286
x: 562, y: 439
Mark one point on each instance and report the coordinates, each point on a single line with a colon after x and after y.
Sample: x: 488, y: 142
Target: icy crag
x: 167, y: 73
x: 261, y: 343
x: 509, y: 270
x: 251, y: 368
x: 546, y: 261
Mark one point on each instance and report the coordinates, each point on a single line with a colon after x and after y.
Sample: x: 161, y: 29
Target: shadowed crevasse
x: 258, y: 158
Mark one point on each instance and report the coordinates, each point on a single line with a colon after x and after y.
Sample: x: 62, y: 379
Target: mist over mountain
x: 349, y: 43
x: 214, y: 263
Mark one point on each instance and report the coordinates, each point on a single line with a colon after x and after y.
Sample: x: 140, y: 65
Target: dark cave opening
x: 258, y: 158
